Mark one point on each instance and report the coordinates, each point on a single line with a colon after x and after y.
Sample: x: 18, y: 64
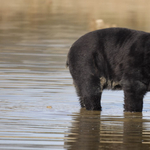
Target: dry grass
x: 135, y: 12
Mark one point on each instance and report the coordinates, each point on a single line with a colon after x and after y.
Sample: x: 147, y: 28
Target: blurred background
x: 39, y: 108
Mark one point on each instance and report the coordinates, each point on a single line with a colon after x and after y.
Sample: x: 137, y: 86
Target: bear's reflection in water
x: 91, y: 131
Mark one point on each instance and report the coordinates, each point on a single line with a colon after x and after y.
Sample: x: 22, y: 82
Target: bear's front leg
x: 133, y: 102
x: 134, y: 92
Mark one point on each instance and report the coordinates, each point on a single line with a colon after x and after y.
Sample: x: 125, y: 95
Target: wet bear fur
x: 112, y: 58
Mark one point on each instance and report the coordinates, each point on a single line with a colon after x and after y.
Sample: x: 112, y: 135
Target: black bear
x: 111, y: 58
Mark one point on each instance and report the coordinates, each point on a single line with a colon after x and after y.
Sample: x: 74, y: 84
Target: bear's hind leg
x: 91, y: 93
x: 92, y: 102
x: 78, y: 91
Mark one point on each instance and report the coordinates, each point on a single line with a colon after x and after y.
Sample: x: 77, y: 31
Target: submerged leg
x: 133, y: 102
x: 91, y: 93
x: 93, y: 102
x: 133, y: 96
x: 78, y: 91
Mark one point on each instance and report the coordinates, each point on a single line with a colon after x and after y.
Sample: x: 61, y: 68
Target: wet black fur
x: 112, y: 58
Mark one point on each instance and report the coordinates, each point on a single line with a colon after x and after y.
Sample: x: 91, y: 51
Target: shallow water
x: 39, y: 107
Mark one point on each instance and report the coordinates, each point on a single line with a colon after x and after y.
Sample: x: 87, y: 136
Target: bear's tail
x: 67, y: 62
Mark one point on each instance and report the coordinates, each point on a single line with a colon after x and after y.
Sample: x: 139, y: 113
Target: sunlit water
x: 39, y: 108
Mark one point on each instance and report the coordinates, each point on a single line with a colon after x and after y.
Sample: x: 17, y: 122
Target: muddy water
x: 39, y: 108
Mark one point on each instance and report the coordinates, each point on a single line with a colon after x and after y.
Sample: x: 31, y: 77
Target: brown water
x: 39, y: 108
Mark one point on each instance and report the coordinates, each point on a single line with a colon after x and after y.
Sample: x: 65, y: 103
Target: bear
x: 113, y: 59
